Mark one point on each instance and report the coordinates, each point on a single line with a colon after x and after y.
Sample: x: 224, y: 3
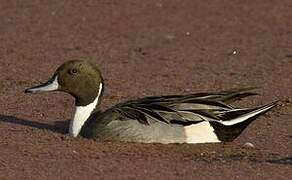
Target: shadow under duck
x: 192, y: 118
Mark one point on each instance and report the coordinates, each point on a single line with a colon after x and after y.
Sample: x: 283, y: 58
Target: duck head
x: 83, y: 81
x: 79, y: 78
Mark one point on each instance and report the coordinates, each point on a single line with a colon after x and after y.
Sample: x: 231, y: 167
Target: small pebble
x: 249, y: 145
x: 158, y: 4
x: 188, y: 33
x: 187, y: 90
x: 170, y: 36
x: 234, y: 52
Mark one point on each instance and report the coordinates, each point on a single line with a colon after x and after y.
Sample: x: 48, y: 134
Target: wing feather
x: 184, y: 109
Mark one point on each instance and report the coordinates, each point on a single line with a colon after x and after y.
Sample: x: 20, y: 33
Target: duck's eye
x: 73, y: 71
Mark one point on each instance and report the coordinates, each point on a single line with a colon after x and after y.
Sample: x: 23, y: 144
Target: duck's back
x: 195, y: 118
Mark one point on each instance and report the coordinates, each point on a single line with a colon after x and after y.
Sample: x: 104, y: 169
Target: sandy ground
x: 144, y: 48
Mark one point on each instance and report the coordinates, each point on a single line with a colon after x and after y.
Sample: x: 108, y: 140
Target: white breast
x: 82, y: 113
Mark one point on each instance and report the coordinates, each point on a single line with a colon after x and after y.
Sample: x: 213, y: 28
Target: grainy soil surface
x: 144, y: 48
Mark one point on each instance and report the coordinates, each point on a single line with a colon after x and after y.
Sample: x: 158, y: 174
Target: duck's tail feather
x: 237, y: 94
x: 234, y: 122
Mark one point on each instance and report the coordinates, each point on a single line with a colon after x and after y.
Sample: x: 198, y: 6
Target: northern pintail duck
x: 193, y: 118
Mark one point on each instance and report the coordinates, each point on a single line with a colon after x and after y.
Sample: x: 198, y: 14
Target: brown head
x: 79, y: 78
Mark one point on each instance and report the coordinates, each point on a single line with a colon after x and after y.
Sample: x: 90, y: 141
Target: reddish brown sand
x: 144, y: 48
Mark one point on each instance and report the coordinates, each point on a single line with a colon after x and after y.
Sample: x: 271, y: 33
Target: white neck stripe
x: 82, y: 113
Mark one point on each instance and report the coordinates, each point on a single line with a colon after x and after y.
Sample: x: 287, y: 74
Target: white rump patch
x: 82, y: 113
x: 201, y: 132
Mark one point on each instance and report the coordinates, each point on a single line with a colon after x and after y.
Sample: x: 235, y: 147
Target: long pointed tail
x: 237, y: 94
x: 237, y: 120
